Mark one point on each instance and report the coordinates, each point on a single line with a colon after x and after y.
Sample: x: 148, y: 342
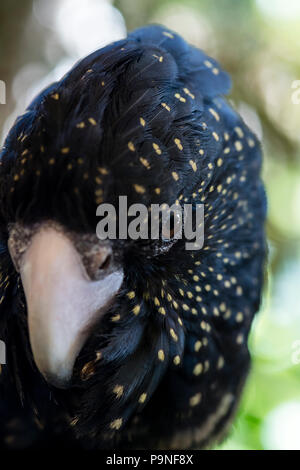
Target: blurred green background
x: 258, y: 43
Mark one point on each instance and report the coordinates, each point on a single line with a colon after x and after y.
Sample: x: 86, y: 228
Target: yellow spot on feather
x: 92, y: 121
x: 118, y: 390
x: 195, y: 400
x: 161, y: 355
x: 142, y: 398
x: 166, y: 106
x: 139, y: 189
x: 198, y: 369
x: 176, y: 360
x: 173, y: 334
x: 193, y: 165
x: 136, y: 309
x: 116, y: 424
x: 178, y: 143
x: 80, y: 125
x: 169, y: 35
x: 131, y: 146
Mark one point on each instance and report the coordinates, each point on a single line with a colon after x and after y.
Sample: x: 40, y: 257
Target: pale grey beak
x: 63, y: 303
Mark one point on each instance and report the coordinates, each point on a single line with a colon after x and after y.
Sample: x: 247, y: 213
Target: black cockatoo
x: 128, y: 344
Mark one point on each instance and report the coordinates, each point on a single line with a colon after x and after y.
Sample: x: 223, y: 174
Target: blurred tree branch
x: 137, y: 13
x: 13, y: 14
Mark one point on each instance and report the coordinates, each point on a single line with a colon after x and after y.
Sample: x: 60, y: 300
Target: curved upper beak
x: 63, y: 303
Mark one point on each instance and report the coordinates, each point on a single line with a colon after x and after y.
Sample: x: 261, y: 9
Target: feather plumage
x: 147, y: 111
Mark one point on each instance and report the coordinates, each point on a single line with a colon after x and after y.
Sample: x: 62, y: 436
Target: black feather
x: 147, y: 111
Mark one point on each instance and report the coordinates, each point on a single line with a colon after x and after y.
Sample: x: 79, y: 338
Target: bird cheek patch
x: 63, y: 303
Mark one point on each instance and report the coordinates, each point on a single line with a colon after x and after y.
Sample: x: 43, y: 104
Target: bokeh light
x: 280, y: 430
x: 280, y: 9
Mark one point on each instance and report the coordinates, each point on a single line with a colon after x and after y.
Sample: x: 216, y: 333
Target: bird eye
x: 105, y: 264
x: 97, y: 261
